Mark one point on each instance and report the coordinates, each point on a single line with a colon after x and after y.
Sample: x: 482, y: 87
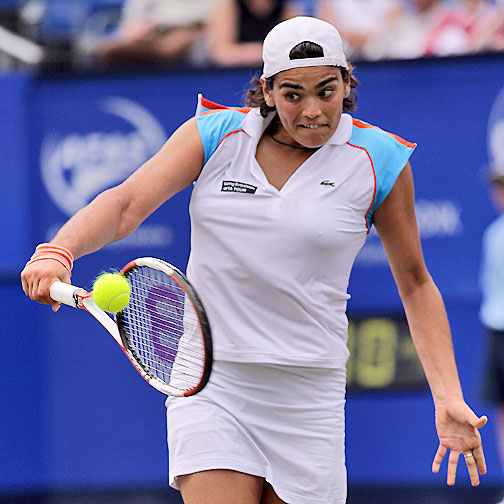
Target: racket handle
x: 65, y: 293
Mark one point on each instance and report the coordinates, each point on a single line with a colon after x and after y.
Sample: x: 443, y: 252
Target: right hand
x: 38, y: 277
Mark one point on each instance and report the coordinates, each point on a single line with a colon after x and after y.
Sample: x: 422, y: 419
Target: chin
x: 313, y: 143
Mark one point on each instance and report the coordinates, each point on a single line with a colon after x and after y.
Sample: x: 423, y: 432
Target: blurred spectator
x: 441, y: 28
x: 158, y: 31
x: 361, y: 23
x: 238, y: 27
x: 410, y: 35
x: 465, y: 29
x: 489, y: 35
x: 492, y: 306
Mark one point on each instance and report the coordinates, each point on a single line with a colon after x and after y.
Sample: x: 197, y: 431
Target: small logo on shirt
x: 241, y: 187
x: 327, y: 183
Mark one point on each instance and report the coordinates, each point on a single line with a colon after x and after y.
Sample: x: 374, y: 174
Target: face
x: 498, y: 194
x: 309, y: 102
x: 425, y: 5
x: 261, y: 7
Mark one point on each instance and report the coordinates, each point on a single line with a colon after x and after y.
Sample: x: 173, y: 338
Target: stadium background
x: 72, y: 408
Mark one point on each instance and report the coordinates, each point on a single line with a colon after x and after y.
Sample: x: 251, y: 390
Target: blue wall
x: 75, y: 418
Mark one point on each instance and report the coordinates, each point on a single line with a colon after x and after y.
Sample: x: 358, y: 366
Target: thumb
x: 480, y: 422
x: 65, y: 279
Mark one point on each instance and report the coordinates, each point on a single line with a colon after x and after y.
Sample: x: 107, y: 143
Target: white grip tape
x: 64, y: 293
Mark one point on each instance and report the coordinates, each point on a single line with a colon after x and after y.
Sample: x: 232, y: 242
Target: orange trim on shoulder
x: 211, y: 105
x: 230, y: 133
x: 243, y: 110
x: 411, y: 145
x: 374, y: 177
x: 215, y: 107
x: 360, y: 124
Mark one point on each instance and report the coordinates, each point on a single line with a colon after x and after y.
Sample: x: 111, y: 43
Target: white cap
x: 288, y: 34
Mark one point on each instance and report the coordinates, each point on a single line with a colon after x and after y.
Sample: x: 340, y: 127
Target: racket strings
x: 157, y: 319
x: 169, y: 345
x: 160, y: 319
x: 163, y: 329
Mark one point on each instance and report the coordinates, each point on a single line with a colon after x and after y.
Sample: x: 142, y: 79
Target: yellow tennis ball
x: 111, y: 292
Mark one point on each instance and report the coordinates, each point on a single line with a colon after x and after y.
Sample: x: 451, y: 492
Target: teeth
x: 312, y: 126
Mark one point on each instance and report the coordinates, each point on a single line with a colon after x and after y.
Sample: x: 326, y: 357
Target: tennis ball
x: 111, y: 292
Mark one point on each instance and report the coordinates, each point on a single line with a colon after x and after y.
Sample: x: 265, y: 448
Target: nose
x: 312, y: 108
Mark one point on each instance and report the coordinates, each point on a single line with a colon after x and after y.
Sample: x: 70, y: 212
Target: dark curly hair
x: 254, y: 96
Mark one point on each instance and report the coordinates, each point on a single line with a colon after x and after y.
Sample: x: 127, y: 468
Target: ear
x: 268, y: 96
x: 347, y: 90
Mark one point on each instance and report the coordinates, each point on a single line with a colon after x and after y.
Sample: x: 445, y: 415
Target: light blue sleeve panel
x: 214, y: 126
x: 388, y: 154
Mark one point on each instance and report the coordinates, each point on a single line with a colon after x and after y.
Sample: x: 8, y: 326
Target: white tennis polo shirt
x: 272, y: 266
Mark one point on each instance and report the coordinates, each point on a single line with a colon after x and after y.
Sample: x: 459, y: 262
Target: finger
x: 472, y: 468
x: 438, y: 458
x: 24, y: 282
x: 42, y: 292
x: 480, y: 422
x: 479, y: 457
x: 34, y: 285
x: 452, y: 467
x: 56, y: 306
x: 26, y: 289
x: 45, y: 292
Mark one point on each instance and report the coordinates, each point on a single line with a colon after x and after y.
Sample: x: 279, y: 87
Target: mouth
x: 312, y: 126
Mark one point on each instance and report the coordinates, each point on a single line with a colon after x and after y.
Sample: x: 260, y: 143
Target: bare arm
x: 486, y: 37
x: 225, y: 49
x: 223, y: 38
x: 118, y: 211
x: 457, y: 425
x: 323, y: 11
x: 396, y: 224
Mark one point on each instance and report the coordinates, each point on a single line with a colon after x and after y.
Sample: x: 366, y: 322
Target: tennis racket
x: 163, y: 330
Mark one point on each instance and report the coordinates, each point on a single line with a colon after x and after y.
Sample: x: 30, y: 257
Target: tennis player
x: 284, y: 196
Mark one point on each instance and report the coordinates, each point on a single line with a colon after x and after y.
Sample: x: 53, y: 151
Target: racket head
x: 164, y: 328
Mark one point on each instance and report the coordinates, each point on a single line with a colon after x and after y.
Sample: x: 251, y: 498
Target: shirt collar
x: 343, y: 131
x: 254, y: 125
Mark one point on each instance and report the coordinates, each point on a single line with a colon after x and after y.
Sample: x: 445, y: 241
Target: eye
x: 291, y: 96
x: 326, y: 93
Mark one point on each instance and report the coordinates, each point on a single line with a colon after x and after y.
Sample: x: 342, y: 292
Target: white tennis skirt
x: 283, y: 423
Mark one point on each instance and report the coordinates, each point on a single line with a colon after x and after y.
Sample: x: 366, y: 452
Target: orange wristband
x: 54, y: 252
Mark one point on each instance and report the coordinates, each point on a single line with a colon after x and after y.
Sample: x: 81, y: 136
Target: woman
x: 237, y: 28
x: 157, y: 31
x: 361, y: 23
x: 271, y: 261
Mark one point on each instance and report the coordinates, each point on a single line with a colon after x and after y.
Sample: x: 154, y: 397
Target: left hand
x: 457, y: 428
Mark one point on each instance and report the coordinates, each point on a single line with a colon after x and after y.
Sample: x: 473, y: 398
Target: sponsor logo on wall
x: 442, y: 219
x: 77, y: 166
x: 436, y: 219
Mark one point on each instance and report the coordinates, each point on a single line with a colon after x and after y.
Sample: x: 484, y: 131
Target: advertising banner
x: 15, y: 199
x: 72, y: 138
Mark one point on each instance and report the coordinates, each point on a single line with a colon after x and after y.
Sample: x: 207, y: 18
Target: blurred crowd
x: 112, y: 33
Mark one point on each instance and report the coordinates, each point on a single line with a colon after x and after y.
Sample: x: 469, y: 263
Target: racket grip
x: 64, y: 293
